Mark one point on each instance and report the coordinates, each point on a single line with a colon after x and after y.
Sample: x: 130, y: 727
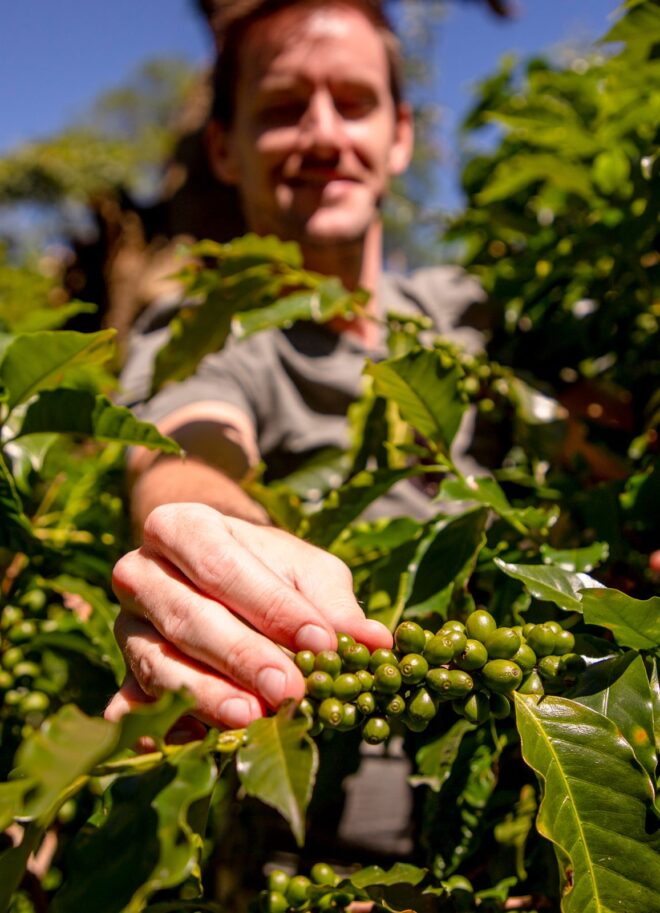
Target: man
x: 309, y: 126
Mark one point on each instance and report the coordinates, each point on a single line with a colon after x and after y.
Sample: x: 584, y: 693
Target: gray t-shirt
x: 296, y: 385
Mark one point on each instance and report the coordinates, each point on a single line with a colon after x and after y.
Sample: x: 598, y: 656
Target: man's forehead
x: 303, y: 34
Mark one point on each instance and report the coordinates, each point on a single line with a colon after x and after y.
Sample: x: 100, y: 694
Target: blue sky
x: 55, y: 57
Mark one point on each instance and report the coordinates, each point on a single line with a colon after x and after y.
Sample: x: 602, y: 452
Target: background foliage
x: 556, y: 809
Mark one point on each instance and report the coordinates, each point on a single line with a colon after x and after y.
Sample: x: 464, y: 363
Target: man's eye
x: 286, y: 112
x: 354, y: 106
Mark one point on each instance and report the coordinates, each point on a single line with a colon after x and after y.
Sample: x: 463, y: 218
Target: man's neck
x: 357, y: 266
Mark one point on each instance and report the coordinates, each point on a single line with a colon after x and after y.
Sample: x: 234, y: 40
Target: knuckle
x: 241, y: 659
x: 145, y: 669
x: 124, y: 574
x: 179, y: 618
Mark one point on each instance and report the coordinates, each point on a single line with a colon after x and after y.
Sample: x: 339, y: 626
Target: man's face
x: 316, y: 135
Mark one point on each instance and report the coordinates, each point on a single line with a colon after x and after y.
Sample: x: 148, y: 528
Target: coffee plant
x: 523, y: 681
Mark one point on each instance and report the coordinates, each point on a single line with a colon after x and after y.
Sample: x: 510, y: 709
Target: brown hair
x: 230, y: 20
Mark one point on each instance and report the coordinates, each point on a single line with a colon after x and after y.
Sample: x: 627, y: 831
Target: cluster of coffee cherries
x: 25, y: 687
x: 298, y: 892
x: 325, y: 890
x: 474, y: 665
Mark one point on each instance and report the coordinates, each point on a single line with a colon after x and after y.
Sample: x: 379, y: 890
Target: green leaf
x: 63, y: 751
x: 486, y: 491
x: 594, y: 807
x: 425, y: 387
x: 435, y: 759
x: 399, y: 873
x: 626, y: 699
x: 51, y: 318
x: 99, y: 627
x: 145, y: 841
x: 577, y: 560
x: 40, y: 361
x: 345, y: 504
x: 449, y: 553
x: 519, y: 171
x: 553, y: 584
x: 12, y: 795
x: 633, y: 622
x: 67, y: 411
x: 327, y: 300
x: 153, y: 720
x: 278, y: 766
x: 15, y: 528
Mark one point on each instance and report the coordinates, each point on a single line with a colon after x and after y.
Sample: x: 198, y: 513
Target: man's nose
x: 323, y: 127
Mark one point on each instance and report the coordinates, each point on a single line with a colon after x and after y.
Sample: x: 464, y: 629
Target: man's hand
x: 208, y: 600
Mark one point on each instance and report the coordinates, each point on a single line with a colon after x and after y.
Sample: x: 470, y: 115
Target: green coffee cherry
x: 548, y: 668
x: 322, y: 873
x: 480, y: 624
x: 439, y: 650
x: 387, y: 679
x: 454, y: 625
x: 12, y: 657
x: 457, y: 638
x: 355, y: 657
x: 554, y: 626
x: 475, y: 708
x: 34, y: 702
x: 347, y: 686
x: 6, y: 680
x: 305, y: 660
x: 366, y: 703
x: 328, y: 661
x: 503, y: 643
x: 409, y: 637
x: 366, y: 679
x: 413, y: 668
x: 450, y: 683
x: 541, y: 639
x: 349, y: 718
x: 571, y: 664
x: 375, y: 730
x: 380, y: 657
x: 500, y: 706
x: 343, y: 640
x: 502, y: 675
x: 564, y: 643
x: 532, y: 684
x: 525, y: 658
x: 273, y: 902
x: 11, y: 615
x: 331, y: 712
x: 320, y: 685
x: 474, y: 656
x: 278, y: 880
x: 298, y: 890
x: 394, y: 706
x: 421, y: 706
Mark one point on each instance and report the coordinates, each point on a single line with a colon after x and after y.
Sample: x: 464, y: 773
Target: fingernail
x: 314, y: 638
x: 236, y: 712
x: 271, y: 684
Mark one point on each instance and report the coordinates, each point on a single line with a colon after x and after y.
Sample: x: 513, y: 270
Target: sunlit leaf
x: 553, y: 584
x: 345, y: 504
x: 448, y: 554
x: 40, y: 361
x: 594, y: 807
x: 485, y: 490
x: 619, y: 689
x: 150, y: 812
x: 278, y: 766
x: 425, y: 388
x: 578, y: 560
x: 68, y: 411
x: 633, y: 622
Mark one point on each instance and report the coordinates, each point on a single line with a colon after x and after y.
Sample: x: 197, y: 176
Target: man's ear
x: 404, y: 137
x: 222, y: 158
